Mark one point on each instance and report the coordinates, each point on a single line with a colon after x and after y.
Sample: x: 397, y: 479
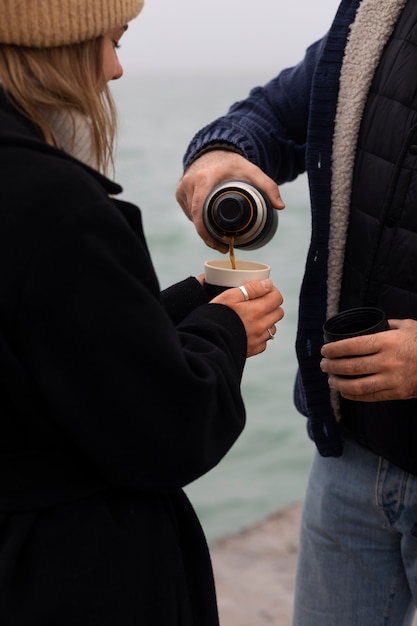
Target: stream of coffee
x: 232, y: 252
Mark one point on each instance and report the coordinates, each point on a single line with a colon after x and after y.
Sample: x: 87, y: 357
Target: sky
x: 223, y: 35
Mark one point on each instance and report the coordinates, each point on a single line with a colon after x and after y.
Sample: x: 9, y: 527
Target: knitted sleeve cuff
x: 210, y: 147
x: 219, y: 137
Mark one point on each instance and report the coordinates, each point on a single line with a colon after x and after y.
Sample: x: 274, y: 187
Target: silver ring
x: 245, y: 293
x: 271, y: 336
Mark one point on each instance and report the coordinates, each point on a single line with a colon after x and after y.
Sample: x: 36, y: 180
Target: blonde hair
x: 69, y: 78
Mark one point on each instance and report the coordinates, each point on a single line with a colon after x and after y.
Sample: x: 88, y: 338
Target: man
x: 347, y: 114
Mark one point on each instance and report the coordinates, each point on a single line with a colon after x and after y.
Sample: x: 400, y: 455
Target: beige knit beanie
x: 49, y: 23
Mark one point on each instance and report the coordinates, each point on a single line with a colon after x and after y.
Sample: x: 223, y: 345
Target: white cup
x: 220, y: 272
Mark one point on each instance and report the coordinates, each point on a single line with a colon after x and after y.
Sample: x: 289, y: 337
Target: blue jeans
x: 357, y: 563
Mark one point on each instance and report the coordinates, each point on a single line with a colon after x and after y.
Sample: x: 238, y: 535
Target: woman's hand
x: 208, y: 171
x: 259, y: 313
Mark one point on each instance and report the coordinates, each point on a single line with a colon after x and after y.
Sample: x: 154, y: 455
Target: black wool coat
x: 113, y: 397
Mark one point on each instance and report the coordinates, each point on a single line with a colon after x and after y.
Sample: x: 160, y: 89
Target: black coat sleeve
x: 180, y: 299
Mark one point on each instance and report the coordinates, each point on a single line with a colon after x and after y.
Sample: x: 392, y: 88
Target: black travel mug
x: 354, y: 323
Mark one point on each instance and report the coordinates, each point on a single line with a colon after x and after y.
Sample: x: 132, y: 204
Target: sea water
x: 267, y: 467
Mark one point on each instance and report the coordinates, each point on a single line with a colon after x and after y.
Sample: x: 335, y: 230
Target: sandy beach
x: 255, y: 571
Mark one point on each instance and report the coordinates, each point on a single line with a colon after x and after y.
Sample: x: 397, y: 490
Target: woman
x: 113, y: 397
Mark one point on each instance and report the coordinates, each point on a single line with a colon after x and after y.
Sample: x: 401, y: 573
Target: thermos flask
x: 239, y: 210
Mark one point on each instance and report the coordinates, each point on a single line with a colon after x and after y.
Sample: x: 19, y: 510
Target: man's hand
x: 383, y: 366
x: 208, y: 171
